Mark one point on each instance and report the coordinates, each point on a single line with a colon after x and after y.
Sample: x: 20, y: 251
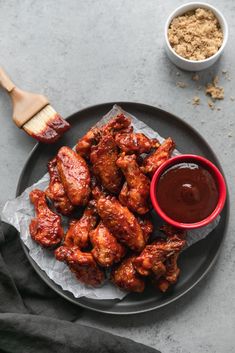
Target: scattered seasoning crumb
x: 213, y: 90
x: 224, y: 72
x: 196, y: 100
x: 227, y: 75
x: 215, y: 80
x: 199, y: 88
x: 211, y: 104
x: 195, y: 77
x: 195, y: 35
x: 181, y: 84
x: 232, y: 99
x: 230, y: 134
x: 218, y: 108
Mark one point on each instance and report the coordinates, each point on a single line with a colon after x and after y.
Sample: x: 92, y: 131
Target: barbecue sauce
x: 187, y: 193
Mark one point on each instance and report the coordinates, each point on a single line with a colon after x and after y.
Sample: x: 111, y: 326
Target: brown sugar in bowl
x: 195, y: 56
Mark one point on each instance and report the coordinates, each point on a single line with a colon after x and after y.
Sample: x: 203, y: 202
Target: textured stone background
x: 80, y: 53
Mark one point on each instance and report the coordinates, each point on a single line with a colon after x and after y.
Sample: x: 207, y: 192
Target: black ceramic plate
x: 194, y: 262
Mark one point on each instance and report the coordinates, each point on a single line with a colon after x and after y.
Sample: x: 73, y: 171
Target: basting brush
x: 33, y: 113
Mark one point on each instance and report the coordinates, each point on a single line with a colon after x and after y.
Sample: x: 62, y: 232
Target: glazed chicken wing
x: 92, y: 137
x: 106, y: 250
x: 82, y: 264
x: 116, y: 124
x: 103, y: 158
x: 170, y: 275
x: 135, y: 142
x: 146, y: 226
x: 153, y: 258
x: 75, y: 176
x: 135, y: 191
x: 172, y: 232
x: 152, y: 163
x: 172, y: 270
x: 56, y: 192
x: 78, y: 232
x: 121, y: 222
x: 46, y: 227
x: 83, y: 146
x: 125, y: 276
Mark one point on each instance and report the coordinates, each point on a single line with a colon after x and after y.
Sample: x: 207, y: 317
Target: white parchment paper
x: 19, y: 212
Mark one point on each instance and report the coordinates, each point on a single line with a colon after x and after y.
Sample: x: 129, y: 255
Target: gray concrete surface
x: 80, y: 53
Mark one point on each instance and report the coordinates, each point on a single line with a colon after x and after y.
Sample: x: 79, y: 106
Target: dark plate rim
x: 170, y: 300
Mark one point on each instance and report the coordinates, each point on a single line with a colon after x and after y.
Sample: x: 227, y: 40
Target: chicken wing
x: 83, y: 146
x: 75, y: 176
x: 118, y: 123
x: 103, y: 158
x: 56, y: 192
x: 82, y: 264
x: 170, y: 276
x: 125, y: 276
x: 121, y: 222
x: 152, y: 163
x: 135, y: 191
x: 146, y: 226
x: 172, y: 270
x: 153, y: 258
x: 78, y: 232
x: 92, y: 137
x: 172, y: 232
x: 135, y: 142
x: 46, y: 227
x: 106, y: 250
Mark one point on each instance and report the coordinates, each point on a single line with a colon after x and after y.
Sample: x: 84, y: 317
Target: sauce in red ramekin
x: 187, y: 192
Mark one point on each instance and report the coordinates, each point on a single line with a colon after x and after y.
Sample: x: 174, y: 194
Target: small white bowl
x: 193, y: 65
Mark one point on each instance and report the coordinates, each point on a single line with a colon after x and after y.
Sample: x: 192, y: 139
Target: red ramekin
x: 190, y: 158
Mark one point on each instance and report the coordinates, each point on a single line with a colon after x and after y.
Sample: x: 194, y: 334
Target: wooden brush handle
x: 25, y: 104
x: 5, y: 81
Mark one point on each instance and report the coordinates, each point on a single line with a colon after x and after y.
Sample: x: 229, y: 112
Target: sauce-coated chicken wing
x: 146, y: 226
x: 46, y: 227
x: 125, y: 276
x: 135, y: 191
x: 170, y: 276
x: 121, y: 222
x: 118, y: 123
x: 56, y: 192
x: 135, y: 142
x: 78, y: 232
x: 93, y: 136
x: 153, y: 258
x: 152, y: 163
x: 106, y: 250
x: 83, y: 146
x: 103, y: 158
x: 172, y: 270
x: 82, y: 264
x: 75, y: 176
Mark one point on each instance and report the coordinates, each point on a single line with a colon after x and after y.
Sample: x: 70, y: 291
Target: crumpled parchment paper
x: 20, y: 211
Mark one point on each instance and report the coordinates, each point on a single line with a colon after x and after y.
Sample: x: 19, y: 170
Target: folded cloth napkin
x: 34, y: 319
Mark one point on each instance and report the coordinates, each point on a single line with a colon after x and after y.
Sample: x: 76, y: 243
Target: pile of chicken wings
x: 108, y: 176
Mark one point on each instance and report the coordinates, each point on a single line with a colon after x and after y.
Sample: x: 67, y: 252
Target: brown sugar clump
x: 211, y: 104
x: 196, y: 35
x: 196, y: 100
x: 195, y: 77
x: 215, y: 91
x: 181, y: 84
